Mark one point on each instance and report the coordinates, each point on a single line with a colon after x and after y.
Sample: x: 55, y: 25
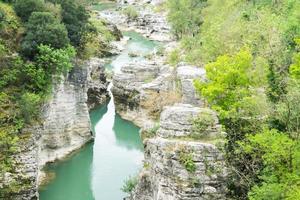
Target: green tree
x: 43, y: 28
x: 24, y: 8
x: 55, y: 62
x: 185, y: 16
x: 30, y: 104
x: 280, y: 156
x: 232, y: 89
x: 295, y: 67
x: 75, y: 17
x: 9, y: 26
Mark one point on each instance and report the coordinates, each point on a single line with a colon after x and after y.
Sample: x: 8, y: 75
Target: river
x: 99, y: 169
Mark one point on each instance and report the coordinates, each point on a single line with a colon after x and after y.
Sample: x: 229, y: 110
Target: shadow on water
x: 96, y: 115
x: 129, y: 141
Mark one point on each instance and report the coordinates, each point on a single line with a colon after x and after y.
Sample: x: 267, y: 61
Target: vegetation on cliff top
x: 250, y: 50
x: 38, y: 43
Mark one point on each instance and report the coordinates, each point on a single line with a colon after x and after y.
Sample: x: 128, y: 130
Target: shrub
x: 186, y: 159
x: 30, y: 104
x: 155, y: 102
x: 9, y: 26
x: 131, y: 12
x: 24, y: 8
x: 150, y: 133
x: 174, y: 57
x: 129, y: 184
x: 185, y: 16
x: 76, y: 19
x: 43, y: 28
x: 55, y: 61
x: 201, y: 123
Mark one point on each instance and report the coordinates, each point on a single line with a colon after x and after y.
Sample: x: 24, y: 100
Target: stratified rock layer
x: 97, y: 83
x: 165, y: 176
x: 66, y: 120
x: 65, y: 128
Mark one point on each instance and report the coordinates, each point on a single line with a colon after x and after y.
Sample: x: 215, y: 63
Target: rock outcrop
x: 140, y: 90
x: 176, y: 166
x: 65, y: 128
x: 23, y: 178
x: 97, y: 83
x: 152, y: 25
x: 66, y: 118
x: 187, y: 74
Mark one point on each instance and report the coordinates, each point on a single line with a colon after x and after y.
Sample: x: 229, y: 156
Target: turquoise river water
x: 98, y: 170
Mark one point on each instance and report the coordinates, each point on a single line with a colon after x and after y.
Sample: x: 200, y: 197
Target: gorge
x: 149, y: 100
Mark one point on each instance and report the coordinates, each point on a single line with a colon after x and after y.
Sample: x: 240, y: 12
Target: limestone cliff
x: 65, y: 127
x: 66, y: 118
x: 179, y: 167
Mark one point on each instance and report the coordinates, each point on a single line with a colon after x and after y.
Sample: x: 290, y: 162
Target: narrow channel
x: 98, y: 170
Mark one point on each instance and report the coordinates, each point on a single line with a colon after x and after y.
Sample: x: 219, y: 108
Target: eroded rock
x: 97, y: 83
x: 166, y: 174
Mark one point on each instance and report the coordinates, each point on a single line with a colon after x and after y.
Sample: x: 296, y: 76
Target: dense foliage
x: 250, y: 50
x: 35, y: 52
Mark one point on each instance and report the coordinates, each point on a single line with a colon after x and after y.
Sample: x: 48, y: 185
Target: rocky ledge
x: 177, y: 166
x: 140, y: 90
x: 152, y: 25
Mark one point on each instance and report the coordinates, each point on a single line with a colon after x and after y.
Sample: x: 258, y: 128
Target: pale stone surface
x: 152, y: 25
x: 97, y: 83
x: 25, y: 167
x: 165, y: 176
x: 65, y: 128
x: 187, y: 74
x: 66, y: 118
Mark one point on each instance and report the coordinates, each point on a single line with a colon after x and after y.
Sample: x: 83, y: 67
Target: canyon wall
x: 65, y: 127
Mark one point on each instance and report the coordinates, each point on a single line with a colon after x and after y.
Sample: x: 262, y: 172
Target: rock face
x: 177, y: 121
x: 24, y: 177
x: 151, y: 24
x: 66, y: 118
x: 65, y: 128
x: 166, y: 176
x: 187, y: 74
x: 140, y: 89
x: 97, y: 83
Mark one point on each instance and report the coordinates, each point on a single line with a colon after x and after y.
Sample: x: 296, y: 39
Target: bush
x: 186, y: 159
x: 9, y: 26
x: 55, y: 62
x: 185, y: 16
x: 174, y: 57
x: 30, y: 104
x: 24, y: 8
x: 295, y: 67
x: 201, y: 123
x: 43, y: 28
x: 280, y: 157
x: 129, y: 184
x: 131, y: 12
x: 76, y: 19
